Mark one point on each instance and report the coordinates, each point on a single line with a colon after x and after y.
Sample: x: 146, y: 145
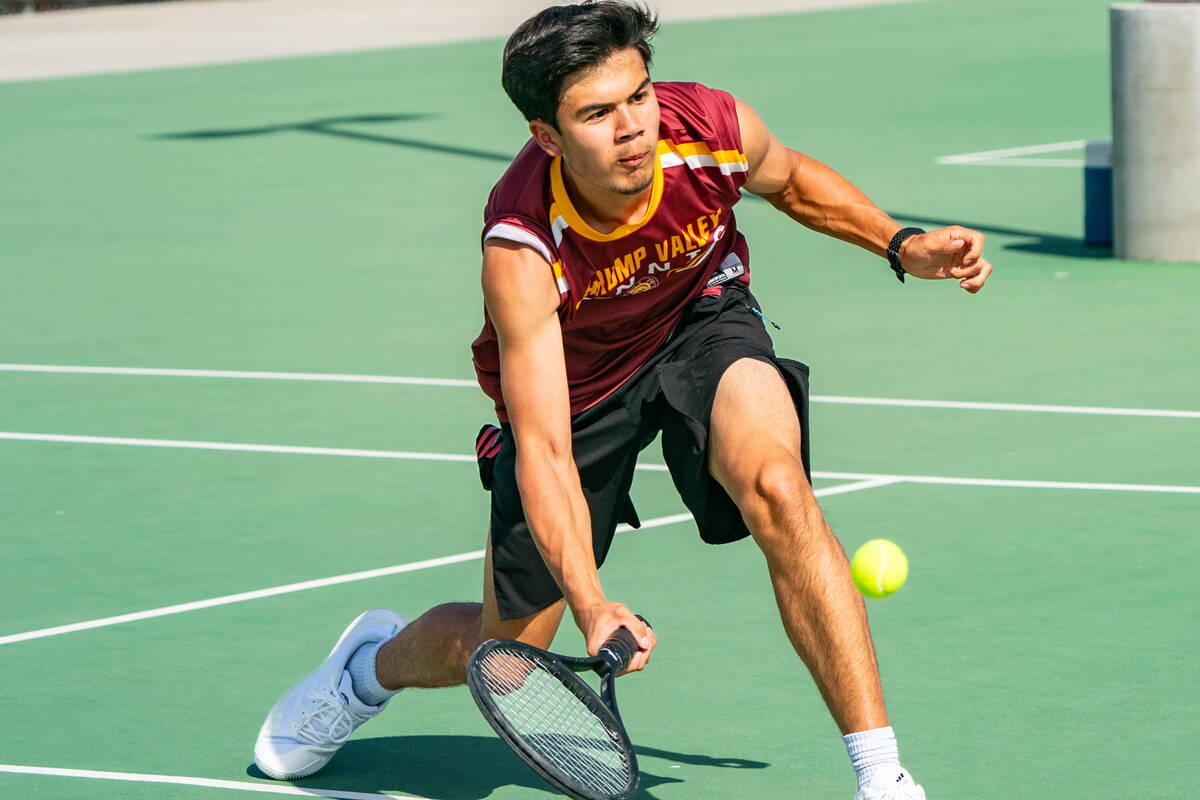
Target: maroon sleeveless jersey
x: 622, y: 293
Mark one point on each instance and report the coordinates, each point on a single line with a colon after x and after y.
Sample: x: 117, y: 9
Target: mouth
x: 635, y: 160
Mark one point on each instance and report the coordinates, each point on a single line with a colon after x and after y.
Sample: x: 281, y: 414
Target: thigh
x: 722, y: 332
x: 754, y: 425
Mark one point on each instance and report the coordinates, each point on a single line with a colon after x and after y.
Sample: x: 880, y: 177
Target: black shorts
x: 672, y: 394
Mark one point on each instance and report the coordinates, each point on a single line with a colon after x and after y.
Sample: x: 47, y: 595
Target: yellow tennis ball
x: 879, y: 568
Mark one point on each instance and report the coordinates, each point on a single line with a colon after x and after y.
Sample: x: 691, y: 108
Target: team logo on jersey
x: 630, y: 274
x: 644, y: 286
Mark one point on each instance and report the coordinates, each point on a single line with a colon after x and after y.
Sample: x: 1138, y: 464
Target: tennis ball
x: 879, y: 568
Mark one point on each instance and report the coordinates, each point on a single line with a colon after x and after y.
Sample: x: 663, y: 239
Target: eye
x: 640, y: 96
x: 595, y: 115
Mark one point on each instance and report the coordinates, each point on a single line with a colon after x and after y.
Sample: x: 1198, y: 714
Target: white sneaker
x: 316, y: 717
x: 891, y: 786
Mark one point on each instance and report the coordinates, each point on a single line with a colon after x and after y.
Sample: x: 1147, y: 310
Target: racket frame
x: 564, y: 669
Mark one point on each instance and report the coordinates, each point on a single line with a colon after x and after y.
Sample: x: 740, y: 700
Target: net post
x: 1156, y: 116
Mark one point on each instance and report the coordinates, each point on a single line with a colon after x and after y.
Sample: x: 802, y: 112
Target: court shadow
x: 462, y: 768
x: 697, y: 760
x: 337, y: 127
x: 1042, y: 243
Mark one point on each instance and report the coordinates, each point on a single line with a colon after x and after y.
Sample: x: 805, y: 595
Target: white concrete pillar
x: 1156, y: 130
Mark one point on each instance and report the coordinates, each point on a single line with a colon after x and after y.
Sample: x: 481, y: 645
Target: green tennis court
x: 288, y: 251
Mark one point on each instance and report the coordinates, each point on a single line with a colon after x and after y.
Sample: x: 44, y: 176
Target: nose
x: 627, y: 124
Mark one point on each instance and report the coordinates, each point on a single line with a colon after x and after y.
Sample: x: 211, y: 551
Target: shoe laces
x: 327, y: 718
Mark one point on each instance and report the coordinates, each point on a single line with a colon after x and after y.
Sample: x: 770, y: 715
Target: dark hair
x: 558, y: 42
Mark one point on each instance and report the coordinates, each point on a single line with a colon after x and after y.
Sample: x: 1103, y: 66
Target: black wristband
x: 893, y: 250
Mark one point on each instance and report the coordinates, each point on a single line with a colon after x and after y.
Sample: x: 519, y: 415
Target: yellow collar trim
x: 564, y: 206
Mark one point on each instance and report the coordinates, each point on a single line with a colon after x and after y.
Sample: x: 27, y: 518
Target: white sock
x: 362, y: 672
x: 872, y: 751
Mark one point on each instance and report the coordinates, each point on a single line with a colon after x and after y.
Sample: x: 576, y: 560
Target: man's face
x: 608, y: 125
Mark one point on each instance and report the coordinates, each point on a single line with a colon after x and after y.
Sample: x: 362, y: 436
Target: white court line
x: 239, y: 447
x: 242, y: 597
x: 209, y: 783
x: 474, y: 555
x: 234, y: 447
x: 1007, y: 156
x: 415, y: 456
x: 1054, y: 147
x: 1014, y: 484
x: 870, y: 483
x: 861, y: 481
x: 1071, y: 163
x: 416, y: 381
x: 969, y: 406
x: 227, y: 373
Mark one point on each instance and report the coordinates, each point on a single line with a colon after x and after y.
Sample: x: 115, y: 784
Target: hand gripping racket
x: 553, y: 719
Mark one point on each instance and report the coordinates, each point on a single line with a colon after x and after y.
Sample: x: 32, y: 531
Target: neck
x: 604, y: 209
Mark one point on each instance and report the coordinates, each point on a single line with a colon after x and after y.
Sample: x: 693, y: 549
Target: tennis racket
x: 553, y: 719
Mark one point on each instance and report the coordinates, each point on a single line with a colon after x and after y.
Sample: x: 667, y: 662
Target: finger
x: 960, y: 271
x: 974, y: 249
x: 651, y: 644
x: 646, y: 640
x: 965, y: 244
x: 642, y: 657
x: 638, y: 662
x: 644, y: 634
x: 975, y: 283
x: 601, y: 633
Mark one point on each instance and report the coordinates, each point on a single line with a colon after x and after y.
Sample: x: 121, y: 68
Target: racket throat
x: 607, y: 695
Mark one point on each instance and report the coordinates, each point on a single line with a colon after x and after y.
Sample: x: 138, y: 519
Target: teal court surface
x: 237, y: 409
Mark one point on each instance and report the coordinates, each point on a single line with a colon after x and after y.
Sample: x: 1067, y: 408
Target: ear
x: 547, y: 138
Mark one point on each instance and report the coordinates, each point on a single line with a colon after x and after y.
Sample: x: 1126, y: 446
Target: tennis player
x: 617, y: 308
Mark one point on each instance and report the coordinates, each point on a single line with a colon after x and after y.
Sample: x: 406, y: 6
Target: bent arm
x: 819, y: 198
x: 810, y: 192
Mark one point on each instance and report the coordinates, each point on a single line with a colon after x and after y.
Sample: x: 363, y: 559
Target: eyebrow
x: 587, y: 110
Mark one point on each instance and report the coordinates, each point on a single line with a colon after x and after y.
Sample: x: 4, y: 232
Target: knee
x: 779, y: 496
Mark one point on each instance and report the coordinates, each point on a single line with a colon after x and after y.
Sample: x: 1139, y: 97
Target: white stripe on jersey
x: 511, y: 233
x: 556, y: 229
x: 701, y: 160
x: 502, y: 230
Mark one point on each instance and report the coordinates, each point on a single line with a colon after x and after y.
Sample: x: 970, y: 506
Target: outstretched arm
x: 522, y: 302
x: 819, y: 198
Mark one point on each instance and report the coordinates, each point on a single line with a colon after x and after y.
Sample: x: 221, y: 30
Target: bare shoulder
x: 770, y: 163
x: 518, y: 283
x: 753, y: 129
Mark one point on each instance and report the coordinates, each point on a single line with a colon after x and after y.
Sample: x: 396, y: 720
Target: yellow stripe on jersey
x: 698, y: 154
x: 559, y: 279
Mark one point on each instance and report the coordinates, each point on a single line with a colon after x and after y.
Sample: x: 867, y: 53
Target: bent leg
x: 754, y: 453
x: 434, y: 648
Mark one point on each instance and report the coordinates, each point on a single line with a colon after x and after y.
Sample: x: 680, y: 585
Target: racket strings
x: 554, y: 722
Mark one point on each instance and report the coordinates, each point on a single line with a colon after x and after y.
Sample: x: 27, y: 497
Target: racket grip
x: 619, y: 649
